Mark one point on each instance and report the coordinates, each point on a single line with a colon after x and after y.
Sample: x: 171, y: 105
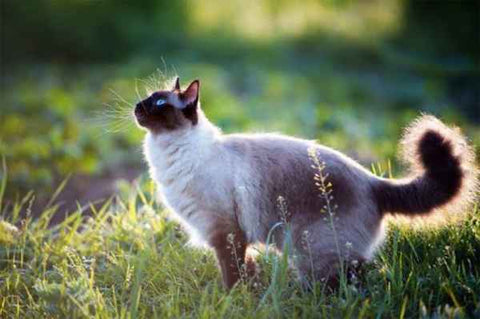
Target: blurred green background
x: 348, y: 73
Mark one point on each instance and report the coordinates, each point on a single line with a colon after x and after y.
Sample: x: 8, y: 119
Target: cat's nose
x: 141, y: 108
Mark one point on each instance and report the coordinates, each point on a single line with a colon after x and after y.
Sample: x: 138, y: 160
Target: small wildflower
x: 282, y: 207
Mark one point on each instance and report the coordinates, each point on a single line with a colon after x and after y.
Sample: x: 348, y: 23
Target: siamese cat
x: 224, y: 188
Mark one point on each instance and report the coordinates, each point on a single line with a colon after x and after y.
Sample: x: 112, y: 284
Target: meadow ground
x: 127, y: 260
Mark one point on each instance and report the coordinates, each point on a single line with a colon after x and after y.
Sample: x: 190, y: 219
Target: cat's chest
x: 194, y: 190
x: 191, y: 179
x: 180, y: 199
x: 178, y: 187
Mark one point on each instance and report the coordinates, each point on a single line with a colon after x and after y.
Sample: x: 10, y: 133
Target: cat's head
x: 168, y: 110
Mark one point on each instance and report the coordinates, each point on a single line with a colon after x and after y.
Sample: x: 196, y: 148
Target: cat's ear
x: 176, y: 86
x: 190, y: 99
x: 190, y: 95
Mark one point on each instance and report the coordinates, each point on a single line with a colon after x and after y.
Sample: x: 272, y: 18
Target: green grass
x: 128, y: 261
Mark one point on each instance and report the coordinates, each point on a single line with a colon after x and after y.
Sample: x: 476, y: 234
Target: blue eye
x: 160, y: 102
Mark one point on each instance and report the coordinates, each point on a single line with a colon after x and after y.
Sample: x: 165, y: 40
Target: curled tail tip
x: 442, y: 153
x: 432, y: 144
x: 444, y: 172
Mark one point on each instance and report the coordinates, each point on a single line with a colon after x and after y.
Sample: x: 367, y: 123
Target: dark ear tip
x: 194, y: 85
x: 177, y: 83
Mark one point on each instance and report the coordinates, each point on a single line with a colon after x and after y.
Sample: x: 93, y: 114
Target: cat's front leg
x: 230, y: 246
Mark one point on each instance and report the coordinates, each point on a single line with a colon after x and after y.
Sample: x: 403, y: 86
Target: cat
x: 225, y: 188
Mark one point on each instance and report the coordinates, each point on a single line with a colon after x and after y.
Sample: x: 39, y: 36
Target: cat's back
x: 283, y: 165
x: 277, y: 149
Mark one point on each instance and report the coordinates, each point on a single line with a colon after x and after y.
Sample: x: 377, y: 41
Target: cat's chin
x: 141, y: 120
x: 144, y: 123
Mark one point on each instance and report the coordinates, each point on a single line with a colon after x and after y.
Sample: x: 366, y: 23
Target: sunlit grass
x: 127, y: 260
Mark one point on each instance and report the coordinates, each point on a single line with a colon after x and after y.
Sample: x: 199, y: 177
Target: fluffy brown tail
x: 443, y: 168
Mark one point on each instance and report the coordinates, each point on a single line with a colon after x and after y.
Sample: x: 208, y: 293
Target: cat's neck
x: 195, y: 141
